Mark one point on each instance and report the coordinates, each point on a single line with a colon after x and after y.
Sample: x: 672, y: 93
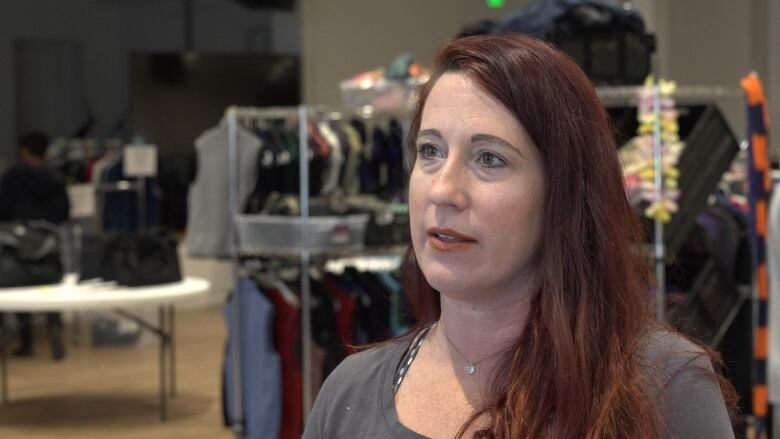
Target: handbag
x: 30, y: 254
x: 137, y: 260
x: 93, y: 257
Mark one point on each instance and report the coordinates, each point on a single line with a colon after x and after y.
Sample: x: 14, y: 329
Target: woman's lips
x: 448, y: 240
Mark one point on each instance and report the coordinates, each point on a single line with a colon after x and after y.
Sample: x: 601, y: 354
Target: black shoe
x: 23, y: 352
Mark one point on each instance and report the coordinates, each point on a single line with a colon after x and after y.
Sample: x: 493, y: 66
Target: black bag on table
x: 92, y: 259
x: 132, y: 260
x: 30, y: 254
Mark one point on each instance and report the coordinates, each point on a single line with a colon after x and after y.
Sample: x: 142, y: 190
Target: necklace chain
x: 471, y: 366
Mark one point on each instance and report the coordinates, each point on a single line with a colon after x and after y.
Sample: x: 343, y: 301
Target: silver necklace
x: 471, y: 366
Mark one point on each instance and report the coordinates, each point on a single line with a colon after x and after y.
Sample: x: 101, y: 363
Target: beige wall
x: 717, y: 42
x: 344, y: 37
x: 712, y: 44
x: 700, y: 42
x: 773, y: 69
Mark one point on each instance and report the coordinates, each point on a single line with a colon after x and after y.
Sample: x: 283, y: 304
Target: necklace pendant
x: 471, y: 368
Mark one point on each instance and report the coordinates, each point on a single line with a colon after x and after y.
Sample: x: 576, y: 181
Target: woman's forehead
x: 455, y: 97
x: 457, y: 106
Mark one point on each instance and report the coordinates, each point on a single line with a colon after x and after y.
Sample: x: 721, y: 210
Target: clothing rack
x: 234, y: 116
x: 87, y: 148
x: 688, y: 94
x: 660, y: 268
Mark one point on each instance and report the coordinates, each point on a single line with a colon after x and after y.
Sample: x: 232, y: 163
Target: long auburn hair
x: 574, y: 371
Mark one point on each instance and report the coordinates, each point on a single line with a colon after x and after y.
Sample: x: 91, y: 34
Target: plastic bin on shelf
x: 281, y: 235
x: 380, y: 95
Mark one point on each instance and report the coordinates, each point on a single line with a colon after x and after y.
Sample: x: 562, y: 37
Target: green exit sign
x: 495, y: 3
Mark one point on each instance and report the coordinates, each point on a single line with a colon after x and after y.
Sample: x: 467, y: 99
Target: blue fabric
x: 539, y: 17
x: 395, y: 161
x: 120, y: 211
x: 261, y: 375
x: 397, y: 326
x: 370, y: 164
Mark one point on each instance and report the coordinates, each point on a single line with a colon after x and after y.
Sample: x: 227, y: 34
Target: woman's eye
x: 428, y: 151
x: 490, y: 160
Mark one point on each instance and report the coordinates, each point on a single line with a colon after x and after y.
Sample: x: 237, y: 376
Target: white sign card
x: 82, y: 200
x: 140, y: 161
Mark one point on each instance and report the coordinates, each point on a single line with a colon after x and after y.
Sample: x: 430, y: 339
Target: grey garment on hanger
x: 336, y: 159
x: 208, y: 225
x: 352, y: 151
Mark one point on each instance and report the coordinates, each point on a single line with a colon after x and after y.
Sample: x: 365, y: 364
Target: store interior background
x: 81, y: 49
x: 700, y: 42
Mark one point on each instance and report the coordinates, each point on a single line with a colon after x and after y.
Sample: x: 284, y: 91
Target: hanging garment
x: 397, y: 324
x: 338, y: 129
x: 121, y: 208
x: 759, y: 193
x: 773, y: 266
x: 269, y: 174
x: 394, y: 156
x: 261, y: 379
x: 100, y: 166
x: 175, y: 175
x: 290, y: 171
x: 286, y: 336
x: 335, y: 159
x: 318, y: 162
x: 345, y: 313
x: 350, y: 180
x: 371, y: 175
x: 324, y: 328
x: 208, y: 232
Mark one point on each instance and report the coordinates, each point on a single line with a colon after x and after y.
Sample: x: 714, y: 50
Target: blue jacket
x: 261, y: 375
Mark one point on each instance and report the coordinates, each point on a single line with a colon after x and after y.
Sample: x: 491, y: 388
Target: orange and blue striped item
x: 759, y: 193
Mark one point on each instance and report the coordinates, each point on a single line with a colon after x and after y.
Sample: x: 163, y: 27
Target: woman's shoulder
x: 669, y: 359
x: 682, y: 374
x: 669, y: 350
x: 365, y: 368
x: 349, y: 402
x: 369, y: 361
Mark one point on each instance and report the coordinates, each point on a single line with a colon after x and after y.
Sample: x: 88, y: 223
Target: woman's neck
x: 482, y: 331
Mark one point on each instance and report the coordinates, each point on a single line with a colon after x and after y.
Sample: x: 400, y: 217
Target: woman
x: 533, y: 313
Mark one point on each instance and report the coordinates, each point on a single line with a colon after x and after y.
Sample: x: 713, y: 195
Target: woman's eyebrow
x: 489, y: 138
x: 430, y: 132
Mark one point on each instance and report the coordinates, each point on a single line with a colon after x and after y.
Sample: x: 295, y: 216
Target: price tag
x: 140, y: 160
x: 82, y: 200
x: 340, y: 234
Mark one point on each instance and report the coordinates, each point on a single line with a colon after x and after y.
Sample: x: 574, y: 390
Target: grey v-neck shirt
x: 357, y: 400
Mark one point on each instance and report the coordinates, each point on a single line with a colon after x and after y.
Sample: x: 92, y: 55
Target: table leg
x: 4, y: 365
x: 172, y: 348
x: 163, y: 386
x: 75, y: 329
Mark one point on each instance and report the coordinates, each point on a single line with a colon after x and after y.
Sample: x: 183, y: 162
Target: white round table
x: 69, y: 295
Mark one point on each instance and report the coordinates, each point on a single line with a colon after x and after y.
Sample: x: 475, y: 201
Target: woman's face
x: 476, y: 195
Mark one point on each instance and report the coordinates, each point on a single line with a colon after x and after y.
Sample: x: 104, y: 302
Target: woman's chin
x: 453, y: 287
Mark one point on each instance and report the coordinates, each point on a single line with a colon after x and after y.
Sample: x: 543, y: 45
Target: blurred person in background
x: 29, y: 191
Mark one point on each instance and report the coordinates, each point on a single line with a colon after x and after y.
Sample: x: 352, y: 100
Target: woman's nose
x: 449, y: 187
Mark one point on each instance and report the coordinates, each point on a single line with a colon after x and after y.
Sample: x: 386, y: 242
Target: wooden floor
x: 113, y: 392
